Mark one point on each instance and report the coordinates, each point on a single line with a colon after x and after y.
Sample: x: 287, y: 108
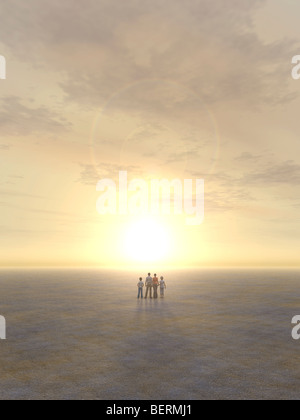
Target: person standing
x: 163, y: 286
x: 140, y: 286
x: 155, y: 286
x: 149, y: 284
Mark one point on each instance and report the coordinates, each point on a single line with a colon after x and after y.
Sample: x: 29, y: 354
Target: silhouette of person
x: 140, y: 286
x: 155, y: 286
x: 163, y: 286
x: 149, y: 284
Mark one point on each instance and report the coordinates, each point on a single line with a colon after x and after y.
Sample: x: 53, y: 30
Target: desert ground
x: 82, y: 334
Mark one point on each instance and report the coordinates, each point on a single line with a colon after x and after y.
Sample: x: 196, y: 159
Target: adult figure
x: 155, y: 286
x: 149, y: 284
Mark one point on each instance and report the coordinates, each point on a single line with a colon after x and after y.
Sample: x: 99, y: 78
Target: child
x: 140, y: 286
x: 163, y: 286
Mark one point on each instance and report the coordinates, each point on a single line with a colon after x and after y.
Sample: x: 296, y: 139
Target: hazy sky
x: 160, y: 88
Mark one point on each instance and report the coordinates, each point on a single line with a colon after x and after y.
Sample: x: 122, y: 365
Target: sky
x: 193, y: 89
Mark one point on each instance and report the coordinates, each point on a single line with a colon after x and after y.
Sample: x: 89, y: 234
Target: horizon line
x: 139, y: 266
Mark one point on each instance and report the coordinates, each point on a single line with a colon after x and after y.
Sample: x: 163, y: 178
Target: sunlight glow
x: 147, y: 240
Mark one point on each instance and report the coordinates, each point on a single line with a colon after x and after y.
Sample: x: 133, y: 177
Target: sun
x: 147, y: 240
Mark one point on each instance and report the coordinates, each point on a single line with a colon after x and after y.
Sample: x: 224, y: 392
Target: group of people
x: 152, y: 284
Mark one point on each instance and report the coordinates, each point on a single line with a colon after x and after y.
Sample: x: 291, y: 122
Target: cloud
x: 158, y: 65
x: 16, y: 176
x: 63, y: 219
x: 18, y: 194
x: 247, y: 157
x: 17, y: 119
x: 262, y: 182
x: 210, y: 47
x: 11, y: 179
x: 4, y: 147
x: 287, y: 172
x: 205, y: 49
x: 91, y: 174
